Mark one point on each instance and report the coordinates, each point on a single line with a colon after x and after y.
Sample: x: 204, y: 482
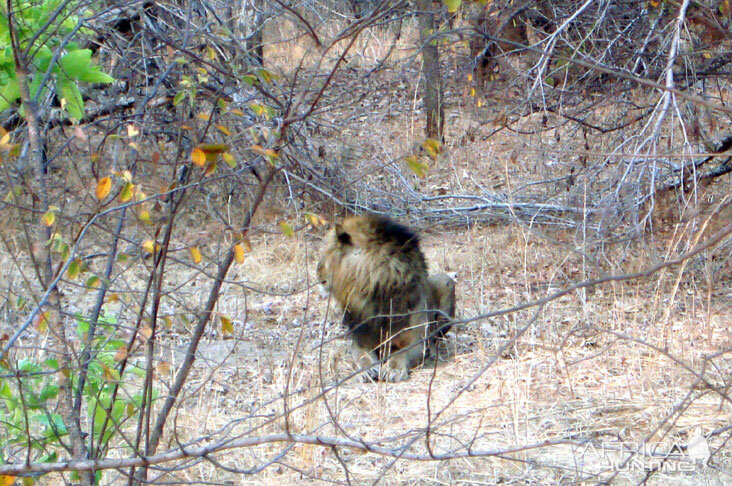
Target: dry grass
x: 593, y: 366
x: 586, y: 369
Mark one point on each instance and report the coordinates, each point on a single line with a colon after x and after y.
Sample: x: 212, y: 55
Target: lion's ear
x: 343, y: 237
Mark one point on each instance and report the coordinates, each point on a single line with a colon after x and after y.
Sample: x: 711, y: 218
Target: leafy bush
x: 43, y: 33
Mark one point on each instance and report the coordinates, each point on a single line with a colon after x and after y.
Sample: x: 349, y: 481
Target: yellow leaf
x: 210, y: 53
x: 227, y: 327
x: 315, y: 220
x: 49, y: 217
x: 237, y: 112
x: 103, y: 187
x: 472, y: 91
x: 5, y: 139
x: 223, y: 129
x: 127, y: 192
x: 452, y: 5
x: 127, y: 175
x: 145, y: 331
x: 92, y: 282
x: 432, y: 147
x: 238, y: 253
x: 210, y: 169
x: 229, y: 159
x: 416, y: 166
x: 110, y: 374
x: 204, y: 116
x: 13, y: 194
x: 286, y: 229
x: 132, y: 131
x: 41, y: 321
x: 725, y: 8
x: 266, y: 75
x: 212, y: 150
x: 257, y: 108
x: 148, y: 246
x: 470, y: 77
x: 7, y: 480
x: 145, y: 216
x: 163, y: 368
x: 195, y: 254
x: 198, y: 157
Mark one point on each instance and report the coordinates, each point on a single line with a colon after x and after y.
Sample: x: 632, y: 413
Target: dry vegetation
x: 565, y: 392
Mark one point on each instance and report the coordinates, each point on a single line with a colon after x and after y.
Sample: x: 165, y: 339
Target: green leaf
x: 92, y: 282
x: 82, y: 328
x: 54, y: 424
x: 178, y: 97
x: 69, y: 91
x: 9, y: 94
x: 36, y: 85
x: 5, y: 391
x: 52, y: 457
x: 95, y: 75
x: 78, y: 65
x: 74, y: 269
x: 137, y: 371
x: 51, y: 363
x: 48, y: 392
x: 28, y: 366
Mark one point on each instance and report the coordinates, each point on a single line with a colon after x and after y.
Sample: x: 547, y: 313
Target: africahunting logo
x: 649, y: 456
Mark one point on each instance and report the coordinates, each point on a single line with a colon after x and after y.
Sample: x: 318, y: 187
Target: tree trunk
x: 431, y: 70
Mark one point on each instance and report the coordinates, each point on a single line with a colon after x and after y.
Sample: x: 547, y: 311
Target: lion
x: 375, y: 270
